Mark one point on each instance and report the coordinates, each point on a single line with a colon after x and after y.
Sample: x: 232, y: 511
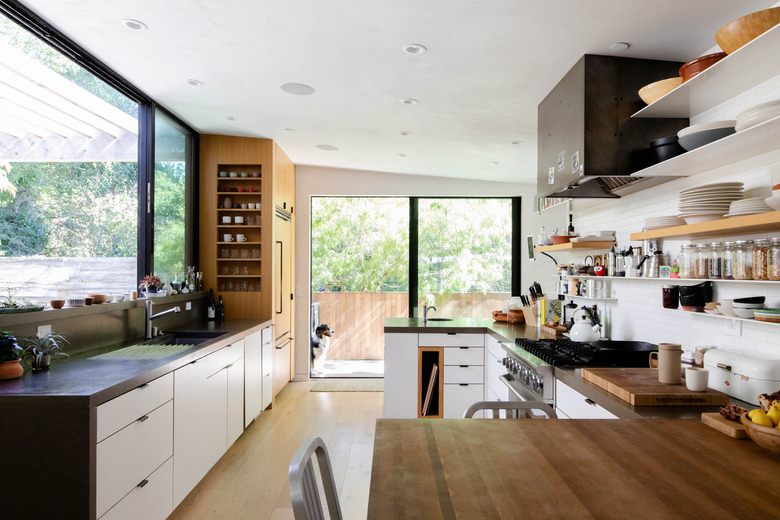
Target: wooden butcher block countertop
x: 612, y: 469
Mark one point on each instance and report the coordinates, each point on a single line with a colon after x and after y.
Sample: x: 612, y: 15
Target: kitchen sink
x: 439, y: 319
x: 190, y: 337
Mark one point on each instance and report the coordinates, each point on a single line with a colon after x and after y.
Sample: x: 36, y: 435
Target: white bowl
x: 744, y: 313
x: 758, y: 114
x: 75, y: 302
x: 737, y: 305
x: 773, y: 201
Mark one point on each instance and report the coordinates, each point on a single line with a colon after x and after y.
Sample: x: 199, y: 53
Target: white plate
x: 758, y: 114
x: 743, y: 213
x: 713, y: 312
x: 698, y: 219
x: 716, y: 185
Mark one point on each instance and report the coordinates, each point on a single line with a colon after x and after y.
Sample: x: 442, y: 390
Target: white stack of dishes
x: 663, y: 222
x: 748, y: 207
x: 758, y: 114
x: 711, y: 202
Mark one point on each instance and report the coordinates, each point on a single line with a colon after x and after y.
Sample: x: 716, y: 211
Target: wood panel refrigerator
x: 283, y: 298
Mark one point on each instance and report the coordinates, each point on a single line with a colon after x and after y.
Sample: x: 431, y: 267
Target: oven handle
x: 521, y: 393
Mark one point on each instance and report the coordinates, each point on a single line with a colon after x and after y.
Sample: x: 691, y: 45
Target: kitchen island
x: 638, y: 469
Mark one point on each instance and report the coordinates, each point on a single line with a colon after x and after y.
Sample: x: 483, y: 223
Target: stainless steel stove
x: 531, y: 368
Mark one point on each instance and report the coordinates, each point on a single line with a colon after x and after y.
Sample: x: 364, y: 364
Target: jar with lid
x: 687, y: 261
x: 670, y: 296
x: 773, y: 262
x: 743, y: 268
x: 728, y: 260
x: 760, y: 256
x: 716, y: 254
x: 702, y: 269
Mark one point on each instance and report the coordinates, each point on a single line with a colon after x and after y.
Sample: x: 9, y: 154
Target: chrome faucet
x: 425, y: 312
x: 150, y: 316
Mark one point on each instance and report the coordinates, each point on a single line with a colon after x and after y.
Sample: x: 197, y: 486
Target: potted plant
x: 39, y: 350
x: 151, y: 283
x: 10, y: 356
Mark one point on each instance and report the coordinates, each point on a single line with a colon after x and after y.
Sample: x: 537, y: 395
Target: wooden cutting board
x: 640, y: 387
x: 731, y: 428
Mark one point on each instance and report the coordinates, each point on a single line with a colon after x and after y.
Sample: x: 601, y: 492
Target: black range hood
x: 588, y: 143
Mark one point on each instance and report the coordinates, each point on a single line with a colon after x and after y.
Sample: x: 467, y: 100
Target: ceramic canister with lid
x: 669, y: 355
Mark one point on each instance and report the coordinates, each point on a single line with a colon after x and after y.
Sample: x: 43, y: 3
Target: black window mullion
x: 517, y: 247
x: 145, y: 189
x: 413, y: 254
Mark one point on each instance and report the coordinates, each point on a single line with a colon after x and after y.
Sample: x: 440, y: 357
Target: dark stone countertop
x: 84, y: 381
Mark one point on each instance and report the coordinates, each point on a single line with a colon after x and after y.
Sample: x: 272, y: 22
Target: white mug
x: 226, y: 220
x: 251, y: 205
x: 228, y: 237
x: 239, y: 220
x: 243, y: 206
x: 240, y: 238
x: 697, y: 379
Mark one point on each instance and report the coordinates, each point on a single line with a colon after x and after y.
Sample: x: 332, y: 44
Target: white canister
x: 239, y: 220
x: 226, y: 219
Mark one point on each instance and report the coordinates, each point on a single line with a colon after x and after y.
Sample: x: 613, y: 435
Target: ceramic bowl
x: 695, y: 136
x: 735, y: 34
x: 773, y: 201
x: 56, y: 304
x: 97, y: 298
x: 75, y: 302
x: 560, y: 239
x: 767, y: 438
x: 744, y: 313
x: 726, y: 308
x: 654, y: 91
x: 736, y: 305
x: 699, y: 65
x: 89, y: 300
x: 751, y: 299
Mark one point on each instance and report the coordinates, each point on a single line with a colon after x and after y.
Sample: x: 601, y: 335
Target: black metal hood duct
x: 588, y: 143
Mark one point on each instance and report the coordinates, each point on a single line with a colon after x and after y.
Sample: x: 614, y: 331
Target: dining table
x: 573, y: 469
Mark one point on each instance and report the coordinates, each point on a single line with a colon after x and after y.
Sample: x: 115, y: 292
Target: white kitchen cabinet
x: 281, y: 365
x: 253, y: 377
x: 458, y: 397
x: 494, y: 368
x: 268, y: 367
x: 151, y: 499
x: 571, y: 404
x: 400, y: 376
x: 235, y: 401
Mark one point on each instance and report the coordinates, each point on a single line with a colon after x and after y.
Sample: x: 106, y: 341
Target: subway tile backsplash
x: 638, y: 314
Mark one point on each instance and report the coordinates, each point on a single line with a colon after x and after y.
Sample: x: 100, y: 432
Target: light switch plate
x: 188, y: 306
x: 42, y: 330
x: 733, y: 328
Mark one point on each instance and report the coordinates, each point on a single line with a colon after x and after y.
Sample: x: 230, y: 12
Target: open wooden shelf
x: 736, y: 225
x: 574, y: 245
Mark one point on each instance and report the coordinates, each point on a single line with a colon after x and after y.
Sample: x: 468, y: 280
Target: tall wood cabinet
x: 247, y: 235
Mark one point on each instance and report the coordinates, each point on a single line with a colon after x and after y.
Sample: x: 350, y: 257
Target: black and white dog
x: 320, y: 343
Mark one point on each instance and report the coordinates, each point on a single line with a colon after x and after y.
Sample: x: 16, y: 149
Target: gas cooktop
x: 602, y: 353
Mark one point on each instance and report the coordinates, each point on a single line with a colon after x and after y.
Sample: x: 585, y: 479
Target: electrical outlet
x: 42, y: 330
x: 188, y: 306
x: 733, y: 328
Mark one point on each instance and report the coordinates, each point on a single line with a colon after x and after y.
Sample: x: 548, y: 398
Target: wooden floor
x: 250, y: 481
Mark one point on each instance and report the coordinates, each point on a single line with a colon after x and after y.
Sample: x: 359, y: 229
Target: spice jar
x: 716, y: 253
x: 743, y: 268
x: 728, y: 260
x: 773, y: 262
x: 671, y: 296
x: 760, y: 256
x: 687, y: 261
x: 702, y: 261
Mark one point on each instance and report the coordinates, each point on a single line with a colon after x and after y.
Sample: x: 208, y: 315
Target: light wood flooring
x: 250, y: 481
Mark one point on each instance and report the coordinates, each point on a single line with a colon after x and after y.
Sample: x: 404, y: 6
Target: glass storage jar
x: 743, y: 268
x: 760, y: 255
x: 773, y: 262
x: 728, y: 260
x: 702, y: 261
x: 687, y: 261
x: 716, y: 260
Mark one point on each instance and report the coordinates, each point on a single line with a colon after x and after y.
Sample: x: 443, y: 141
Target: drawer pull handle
x: 142, y: 419
x: 452, y: 333
x: 464, y: 384
x: 590, y: 401
x: 464, y: 366
x: 143, y: 483
x: 464, y: 348
x: 724, y: 366
x: 145, y: 385
x: 230, y: 365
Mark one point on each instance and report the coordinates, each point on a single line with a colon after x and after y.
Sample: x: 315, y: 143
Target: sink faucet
x: 150, y: 316
x: 425, y: 312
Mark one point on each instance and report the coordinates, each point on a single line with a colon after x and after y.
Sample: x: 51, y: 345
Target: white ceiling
x: 489, y: 63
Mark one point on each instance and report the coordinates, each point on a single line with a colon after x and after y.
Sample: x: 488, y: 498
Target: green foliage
x: 9, y: 348
x: 169, y: 218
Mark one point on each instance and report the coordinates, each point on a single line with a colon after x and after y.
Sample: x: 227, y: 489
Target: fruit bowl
x: 767, y: 438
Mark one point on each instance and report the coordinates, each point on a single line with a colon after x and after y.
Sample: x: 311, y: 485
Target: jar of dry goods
x: 687, y: 261
x: 702, y: 261
x: 716, y: 260
x: 743, y: 268
x: 760, y: 256
x: 773, y: 263
x: 728, y: 260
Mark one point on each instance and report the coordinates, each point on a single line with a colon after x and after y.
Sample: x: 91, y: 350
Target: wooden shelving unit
x: 757, y: 223
x: 574, y: 245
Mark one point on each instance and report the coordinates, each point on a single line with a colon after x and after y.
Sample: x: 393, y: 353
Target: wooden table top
x: 632, y: 468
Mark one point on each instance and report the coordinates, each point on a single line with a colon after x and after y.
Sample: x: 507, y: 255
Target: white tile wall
x: 638, y: 313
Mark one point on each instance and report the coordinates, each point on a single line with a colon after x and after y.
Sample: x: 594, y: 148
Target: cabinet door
x: 253, y: 377
x: 574, y: 405
x: 457, y: 398
x: 400, y: 376
x: 282, y: 366
x: 150, y: 499
x: 282, y: 266
x: 268, y: 368
x: 235, y: 402
x: 190, y: 461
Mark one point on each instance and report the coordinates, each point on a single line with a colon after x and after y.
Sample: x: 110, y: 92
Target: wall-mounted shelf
x: 733, y: 318
x: 757, y: 223
x: 589, y: 298
x: 664, y: 280
x: 574, y: 245
x: 740, y: 71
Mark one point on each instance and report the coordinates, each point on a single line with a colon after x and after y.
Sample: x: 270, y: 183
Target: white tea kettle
x: 586, y: 326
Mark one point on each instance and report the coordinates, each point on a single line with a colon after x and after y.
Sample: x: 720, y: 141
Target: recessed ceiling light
x: 404, y: 133
x: 299, y: 89
x: 232, y: 118
x: 195, y: 82
x: 619, y: 46
x: 516, y: 142
x: 401, y: 154
x: 414, y: 48
x: 327, y: 147
x: 134, y: 24
x: 409, y: 101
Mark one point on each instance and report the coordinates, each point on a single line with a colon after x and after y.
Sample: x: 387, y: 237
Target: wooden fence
x: 358, y: 318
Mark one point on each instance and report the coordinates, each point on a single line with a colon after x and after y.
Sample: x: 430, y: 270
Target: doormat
x: 348, y: 385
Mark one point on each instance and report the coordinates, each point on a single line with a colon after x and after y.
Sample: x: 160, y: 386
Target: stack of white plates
x: 711, y: 202
x: 758, y: 114
x: 663, y: 222
x: 748, y: 207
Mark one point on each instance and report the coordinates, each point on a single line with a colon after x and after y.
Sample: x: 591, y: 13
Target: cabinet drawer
x: 464, y: 356
x: 494, y: 347
x: 457, y: 398
x: 117, y: 413
x: 224, y: 357
x: 464, y: 374
x: 150, y: 499
x: 452, y: 340
x: 130, y: 455
x: 575, y: 406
